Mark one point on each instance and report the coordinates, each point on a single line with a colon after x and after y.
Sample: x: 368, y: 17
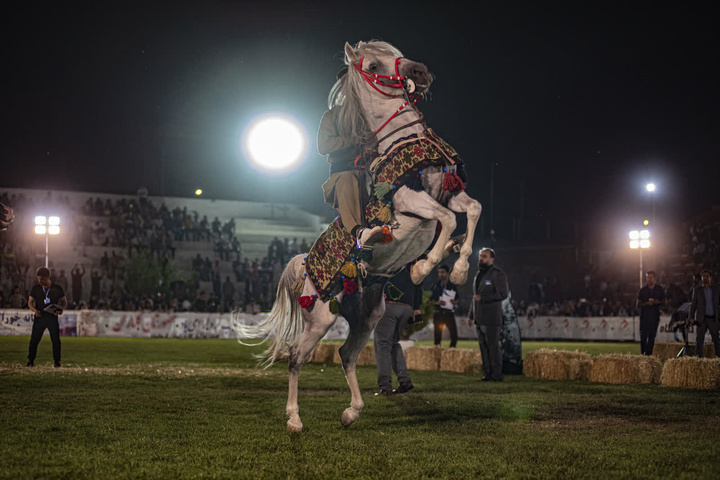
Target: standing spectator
x: 444, y: 296
x: 704, y: 310
x: 402, y: 302
x: 43, y: 297
x: 228, y: 292
x: 16, y: 300
x: 95, y: 278
x: 62, y: 280
x: 650, y: 298
x: 491, y: 288
x: 76, y: 275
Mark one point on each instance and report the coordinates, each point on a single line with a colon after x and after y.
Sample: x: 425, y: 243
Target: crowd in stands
x: 131, y: 227
x: 139, y: 227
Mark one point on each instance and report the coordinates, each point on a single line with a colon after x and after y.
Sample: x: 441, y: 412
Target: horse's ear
x: 350, y: 53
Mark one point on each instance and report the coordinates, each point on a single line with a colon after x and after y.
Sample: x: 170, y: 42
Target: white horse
x: 374, y: 101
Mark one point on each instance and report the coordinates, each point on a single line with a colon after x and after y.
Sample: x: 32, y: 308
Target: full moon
x: 275, y: 143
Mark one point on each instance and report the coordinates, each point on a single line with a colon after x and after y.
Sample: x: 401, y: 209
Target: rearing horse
x: 375, y: 102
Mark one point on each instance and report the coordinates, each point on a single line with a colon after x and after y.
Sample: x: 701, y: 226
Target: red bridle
x: 398, y: 80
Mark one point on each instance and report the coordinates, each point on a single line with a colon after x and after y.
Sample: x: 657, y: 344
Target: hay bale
x: 666, y: 351
x: 557, y: 364
x: 423, y: 358
x: 324, y: 353
x: 626, y: 369
x: 461, y: 360
x: 366, y: 356
x: 691, y: 372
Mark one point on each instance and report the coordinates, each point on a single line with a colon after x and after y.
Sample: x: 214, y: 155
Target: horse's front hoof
x: 294, y: 426
x: 348, y: 416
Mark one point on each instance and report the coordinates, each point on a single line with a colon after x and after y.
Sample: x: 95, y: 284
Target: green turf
x: 170, y: 408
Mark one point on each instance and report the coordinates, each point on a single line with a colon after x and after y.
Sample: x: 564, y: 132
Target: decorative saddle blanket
x: 332, y: 261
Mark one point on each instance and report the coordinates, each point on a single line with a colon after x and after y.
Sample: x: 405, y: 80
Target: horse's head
x: 386, y: 70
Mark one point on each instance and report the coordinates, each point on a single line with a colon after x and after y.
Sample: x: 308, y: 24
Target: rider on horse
x: 342, y: 189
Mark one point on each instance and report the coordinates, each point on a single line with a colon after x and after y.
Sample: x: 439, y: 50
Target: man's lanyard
x: 46, y: 292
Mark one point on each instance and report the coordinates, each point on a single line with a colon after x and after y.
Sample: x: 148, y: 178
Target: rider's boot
x: 366, y: 237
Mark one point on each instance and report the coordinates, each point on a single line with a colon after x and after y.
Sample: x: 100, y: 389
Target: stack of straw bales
x: 366, y: 356
x: 461, y: 360
x: 324, y: 353
x: 557, y: 364
x: 666, y: 351
x: 691, y: 372
x: 423, y: 358
x: 626, y: 369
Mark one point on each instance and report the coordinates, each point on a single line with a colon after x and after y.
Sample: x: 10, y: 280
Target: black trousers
x: 38, y: 328
x: 709, y: 324
x: 648, y: 332
x: 447, y: 319
x: 491, y: 350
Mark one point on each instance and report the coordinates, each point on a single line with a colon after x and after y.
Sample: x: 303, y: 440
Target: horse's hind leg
x: 362, y: 313
x: 317, y: 323
x: 462, y: 202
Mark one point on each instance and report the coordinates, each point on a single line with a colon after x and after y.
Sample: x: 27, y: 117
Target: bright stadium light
x: 275, y: 143
x: 47, y: 226
x: 650, y: 187
x: 640, y: 240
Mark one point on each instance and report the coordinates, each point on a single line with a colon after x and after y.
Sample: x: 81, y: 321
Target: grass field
x: 171, y: 408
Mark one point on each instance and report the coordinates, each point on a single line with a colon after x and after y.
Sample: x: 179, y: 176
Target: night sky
x: 572, y: 105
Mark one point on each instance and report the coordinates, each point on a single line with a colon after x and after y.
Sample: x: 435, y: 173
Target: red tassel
x: 452, y: 182
x: 350, y: 286
x: 307, y: 301
x: 386, y: 234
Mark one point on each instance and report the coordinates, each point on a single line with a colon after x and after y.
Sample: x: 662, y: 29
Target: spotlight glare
x: 275, y: 143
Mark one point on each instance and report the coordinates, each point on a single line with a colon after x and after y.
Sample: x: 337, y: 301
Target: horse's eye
x: 373, y: 67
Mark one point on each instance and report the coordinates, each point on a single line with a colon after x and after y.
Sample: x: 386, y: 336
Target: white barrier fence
x: 92, y: 323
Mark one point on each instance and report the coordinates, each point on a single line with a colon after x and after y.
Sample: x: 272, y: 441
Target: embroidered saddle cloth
x: 401, y: 166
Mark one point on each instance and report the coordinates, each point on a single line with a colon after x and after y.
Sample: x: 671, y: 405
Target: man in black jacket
x: 491, y: 288
x: 704, y: 311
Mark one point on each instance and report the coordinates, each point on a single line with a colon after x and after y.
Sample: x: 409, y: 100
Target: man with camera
x: 704, y: 309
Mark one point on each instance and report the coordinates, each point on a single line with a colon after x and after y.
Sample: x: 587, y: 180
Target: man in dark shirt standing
x: 47, y: 301
x: 402, y: 303
x: 650, y: 298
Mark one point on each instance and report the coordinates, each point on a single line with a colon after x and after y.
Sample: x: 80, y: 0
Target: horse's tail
x: 284, y: 321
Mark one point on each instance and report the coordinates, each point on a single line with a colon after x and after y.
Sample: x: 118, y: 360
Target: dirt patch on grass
x: 161, y: 370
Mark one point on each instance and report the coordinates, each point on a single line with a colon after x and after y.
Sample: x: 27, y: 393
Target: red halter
x: 398, y: 81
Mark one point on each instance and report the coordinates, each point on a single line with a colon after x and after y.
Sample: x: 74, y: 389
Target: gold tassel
x: 385, y: 214
x: 334, y: 306
x: 349, y: 270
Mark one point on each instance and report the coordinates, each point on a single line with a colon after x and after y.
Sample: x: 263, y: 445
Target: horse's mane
x: 344, y: 96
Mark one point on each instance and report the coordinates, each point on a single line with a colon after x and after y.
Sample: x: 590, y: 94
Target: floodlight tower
x: 640, y: 240
x: 47, y: 226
